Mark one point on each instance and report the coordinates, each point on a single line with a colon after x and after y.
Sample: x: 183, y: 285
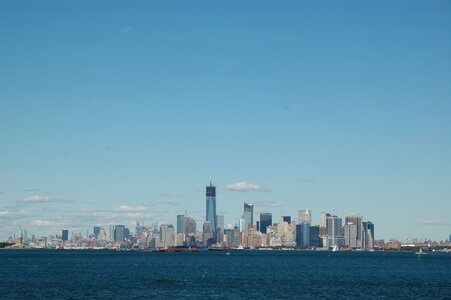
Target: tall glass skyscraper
x: 211, y: 208
x: 248, y: 216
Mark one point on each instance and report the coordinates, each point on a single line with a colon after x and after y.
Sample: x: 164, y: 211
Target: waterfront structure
x: 357, y: 221
x: 65, y: 235
x: 119, y: 233
x: 265, y: 221
x: 248, y: 216
x: 211, y: 217
x: 305, y: 216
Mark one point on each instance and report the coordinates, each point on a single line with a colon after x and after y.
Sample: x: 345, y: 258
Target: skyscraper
x: 303, y: 235
x: 65, y: 235
x: 180, y: 223
x: 248, y: 216
x: 211, y: 208
x: 119, y: 233
x: 334, y: 231
x: 286, y: 219
x: 357, y: 220
x: 368, y: 235
x: 265, y: 221
x: 96, y: 231
x: 305, y: 215
x: 167, y: 235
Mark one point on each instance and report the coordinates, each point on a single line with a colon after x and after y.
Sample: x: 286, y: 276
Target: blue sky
x: 123, y: 112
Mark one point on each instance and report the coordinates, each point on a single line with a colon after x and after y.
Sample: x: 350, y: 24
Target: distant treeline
x: 5, y: 244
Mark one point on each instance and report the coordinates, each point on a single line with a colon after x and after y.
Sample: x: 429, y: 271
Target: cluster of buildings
x: 333, y: 232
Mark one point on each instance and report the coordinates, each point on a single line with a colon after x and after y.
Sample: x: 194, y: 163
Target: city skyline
x: 123, y: 113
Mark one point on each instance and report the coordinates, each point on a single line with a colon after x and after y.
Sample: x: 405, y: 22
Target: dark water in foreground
x: 34, y: 274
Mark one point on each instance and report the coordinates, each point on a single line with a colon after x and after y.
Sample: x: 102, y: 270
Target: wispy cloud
x: 13, y: 214
x: 243, y: 186
x: 43, y: 199
x: 126, y: 29
x: 170, y: 202
x: 42, y: 223
x: 127, y: 208
x: 267, y: 203
x: 435, y: 223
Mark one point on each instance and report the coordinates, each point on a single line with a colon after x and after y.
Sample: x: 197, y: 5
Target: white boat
x: 335, y: 248
x: 420, y: 252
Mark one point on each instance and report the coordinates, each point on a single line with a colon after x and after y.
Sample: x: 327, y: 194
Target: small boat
x: 420, y: 252
x: 335, y: 248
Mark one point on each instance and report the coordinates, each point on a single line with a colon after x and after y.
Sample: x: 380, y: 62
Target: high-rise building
x: 180, y: 223
x: 189, y: 226
x: 286, y: 219
x: 207, y: 234
x: 220, y: 220
x: 334, y: 231
x: 248, y: 216
x: 167, y: 235
x: 119, y: 233
x: 111, y: 237
x: 265, y: 221
x: 303, y: 235
x: 305, y: 216
x: 211, y: 208
x: 315, y: 240
x: 350, y: 235
x: 96, y: 231
x: 368, y: 234
x: 357, y: 220
x: 65, y: 235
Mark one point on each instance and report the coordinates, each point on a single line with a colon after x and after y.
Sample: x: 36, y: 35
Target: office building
x: 315, y: 240
x: 220, y: 221
x: 180, y: 223
x: 119, y: 233
x: 368, y: 234
x: 303, y: 235
x: 248, y: 216
x: 96, y: 231
x: 65, y: 235
x: 334, y: 231
x: 350, y: 235
x: 167, y: 235
x: 357, y: 220
x: 211, y: 208
x: 265, y: 221
x: 207, y: 234
x: 286, y: 219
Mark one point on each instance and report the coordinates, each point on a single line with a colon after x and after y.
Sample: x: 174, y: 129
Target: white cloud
x: 170, y: 202
x: 13, y: 214
x: 42, y: 223
x: 130, y: 208
x: 38, y: 199
x: 435, y: 223
x: 243, y: 187
x: 126, y: 29
x: 268, y: 203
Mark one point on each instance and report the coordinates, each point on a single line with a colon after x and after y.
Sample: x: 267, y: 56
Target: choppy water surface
x: 34, y: 274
